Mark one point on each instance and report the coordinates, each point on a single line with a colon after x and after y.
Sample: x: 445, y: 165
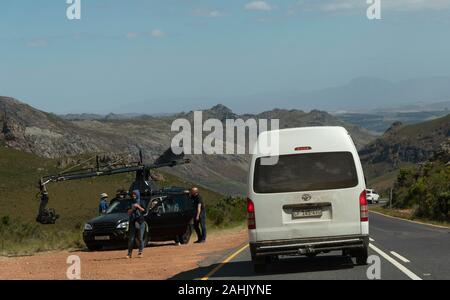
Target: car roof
x: 171, y: 191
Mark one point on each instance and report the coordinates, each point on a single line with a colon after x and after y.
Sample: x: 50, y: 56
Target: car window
x: 121, y: 206
x: 175, y: 204
x: 306, y: 172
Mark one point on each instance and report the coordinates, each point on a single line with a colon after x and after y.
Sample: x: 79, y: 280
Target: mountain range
x: 47, y: 135
x: 370, y: 93
x: 51, y: 136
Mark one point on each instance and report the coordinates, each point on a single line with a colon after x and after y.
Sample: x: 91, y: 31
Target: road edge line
x: 396, y: 264
x: 411, y: 221
x: 404, y: 259
x: 224, y: 262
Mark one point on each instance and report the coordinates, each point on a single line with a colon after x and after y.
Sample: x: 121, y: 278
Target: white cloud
x: 132, y: 35
x: 338, y: 5
x: 37, y: 44
x: 258, y: 6
x: 214, y: 13
x: 291, y: 12
x: 157, y: 33
x: 210, y: 13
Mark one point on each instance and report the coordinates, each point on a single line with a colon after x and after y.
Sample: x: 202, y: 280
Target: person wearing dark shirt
x: 136, y: 223
x: 200, y: 215
x: 120, y: 195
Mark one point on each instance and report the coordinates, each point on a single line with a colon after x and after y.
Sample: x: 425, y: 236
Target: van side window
x: 306, y: 172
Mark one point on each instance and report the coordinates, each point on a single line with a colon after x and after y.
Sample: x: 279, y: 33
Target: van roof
x: 319, y: 139
x: 310, y: 129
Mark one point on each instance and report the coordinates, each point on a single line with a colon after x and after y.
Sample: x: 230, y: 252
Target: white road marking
x: 400, y: 257
x: 371, y: 239
x: 398, y: 265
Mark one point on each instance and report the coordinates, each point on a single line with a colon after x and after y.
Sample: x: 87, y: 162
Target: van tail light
x: 364, y: 207
x: 303, y: 148
x: 251, y: 214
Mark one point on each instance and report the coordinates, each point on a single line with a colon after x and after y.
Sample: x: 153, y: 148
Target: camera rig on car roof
x: 143, y: 181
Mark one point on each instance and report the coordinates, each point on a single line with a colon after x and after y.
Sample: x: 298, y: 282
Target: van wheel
x: 186, y: 236
x: 259, y: 265
x: 361, y: 257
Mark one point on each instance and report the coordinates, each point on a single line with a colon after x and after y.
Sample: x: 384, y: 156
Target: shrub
x: 227, y: 211
x: 5, y: 221
x: 427, y: 188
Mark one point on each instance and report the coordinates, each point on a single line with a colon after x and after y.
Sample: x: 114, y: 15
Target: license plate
x: 306, y: 213
x: 102, y: 238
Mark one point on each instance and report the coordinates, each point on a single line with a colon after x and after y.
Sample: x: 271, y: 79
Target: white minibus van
x: 313, y: 200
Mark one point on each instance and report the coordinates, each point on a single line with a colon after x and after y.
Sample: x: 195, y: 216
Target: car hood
x: 110, y: 218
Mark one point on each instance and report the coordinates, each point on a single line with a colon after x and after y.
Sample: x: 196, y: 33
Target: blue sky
x: 174, y: 55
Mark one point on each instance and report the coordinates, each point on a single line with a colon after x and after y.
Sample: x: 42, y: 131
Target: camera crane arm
x: 48, y: 216
x: 88, y: 173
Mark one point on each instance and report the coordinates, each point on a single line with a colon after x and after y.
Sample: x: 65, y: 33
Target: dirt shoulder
x: 160, y: 261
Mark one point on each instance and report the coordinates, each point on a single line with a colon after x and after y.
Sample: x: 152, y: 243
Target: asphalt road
x: 406, y: 250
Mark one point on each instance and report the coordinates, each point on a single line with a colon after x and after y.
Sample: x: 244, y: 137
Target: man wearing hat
x: 103, y: 206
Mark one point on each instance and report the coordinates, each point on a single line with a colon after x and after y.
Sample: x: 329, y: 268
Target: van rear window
x: 306, y: 172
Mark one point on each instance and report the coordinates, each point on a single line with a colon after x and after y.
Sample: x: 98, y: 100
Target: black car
x: 170, y: 219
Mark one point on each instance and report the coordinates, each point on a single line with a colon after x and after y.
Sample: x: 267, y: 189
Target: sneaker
x: 128, y: 256
x: 178, y: 244
x: 197, y: 242
x: 202, y: 241
x: 141, y: 255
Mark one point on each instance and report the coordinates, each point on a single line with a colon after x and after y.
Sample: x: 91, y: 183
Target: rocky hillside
x: 50, y: 136
x: 402, y: 144
x: 28, y: 129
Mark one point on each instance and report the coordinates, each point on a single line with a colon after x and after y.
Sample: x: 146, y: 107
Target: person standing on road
x: 136, y: 223
x: 103, y: 205
x: 200, y: 215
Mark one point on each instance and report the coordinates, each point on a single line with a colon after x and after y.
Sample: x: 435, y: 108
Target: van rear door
x: 307, y: 195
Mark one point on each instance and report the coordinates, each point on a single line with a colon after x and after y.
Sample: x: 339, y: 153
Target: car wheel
x: 94, y: 247
x: 186, y: 236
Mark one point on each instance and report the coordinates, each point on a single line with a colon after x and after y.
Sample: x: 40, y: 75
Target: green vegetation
x: 227, y: 212
x: 75, y: 202
x: 424, y: 189
x: 20, y: 238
